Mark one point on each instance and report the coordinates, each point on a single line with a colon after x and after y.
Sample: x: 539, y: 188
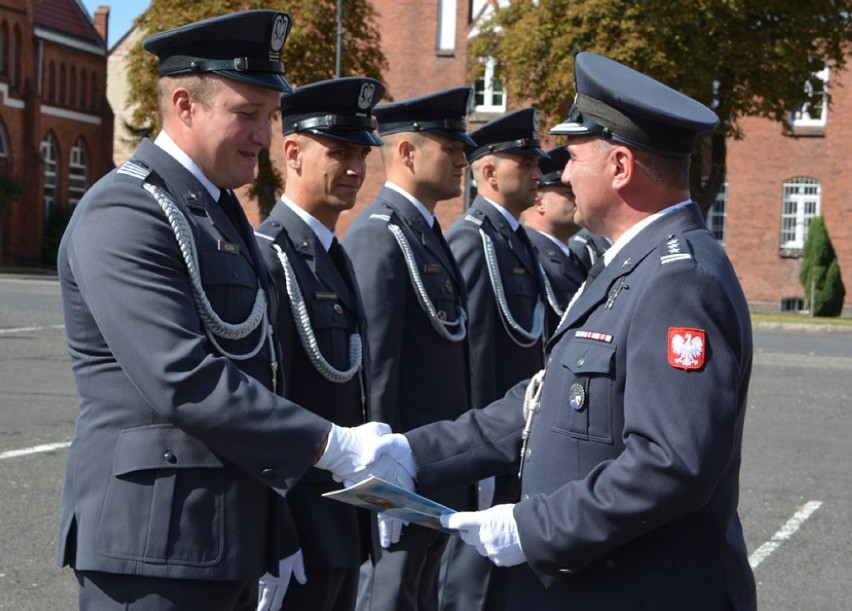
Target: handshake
x: 353, y: 454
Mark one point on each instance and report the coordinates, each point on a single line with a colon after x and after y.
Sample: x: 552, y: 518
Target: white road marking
x: 47, y: 447
x: 30, y: 329
x: 784, y: 533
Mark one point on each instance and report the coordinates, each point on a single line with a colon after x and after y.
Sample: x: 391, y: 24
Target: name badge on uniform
x: 519, y: 271
x: 432, y: 268
x: 228, y: 247
x: 576, y: 396
x: 326, y: 296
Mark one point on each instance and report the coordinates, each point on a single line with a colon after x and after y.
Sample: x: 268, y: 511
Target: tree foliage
x: 740, y: 57
x: 310, y: 55
x: 820, y: 273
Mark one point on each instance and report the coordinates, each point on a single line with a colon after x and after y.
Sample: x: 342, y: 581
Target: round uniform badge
x: 576, y: 396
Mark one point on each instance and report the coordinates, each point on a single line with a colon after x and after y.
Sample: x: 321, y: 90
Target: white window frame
x: 485, y: 86
x: 447, y: 13
x: 50, y: 158
x: 717, y: 215
x: 802, y: 116
x: 800, y: 203
x: 78, y: 173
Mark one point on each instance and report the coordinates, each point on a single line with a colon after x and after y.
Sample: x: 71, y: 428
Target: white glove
x: 493, y: 532
x: 271, y: 590
x: 350, y: 457
x: 390, y: 529
x: 485, y: 494
x: 394, y: 446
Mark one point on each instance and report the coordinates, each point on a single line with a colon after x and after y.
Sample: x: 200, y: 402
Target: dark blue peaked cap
x: 439, y: 113
x: 552, y: 166
x: 516, y: 132
x: 629, y: 107
x: 337, y: 108
x: 244, y: 47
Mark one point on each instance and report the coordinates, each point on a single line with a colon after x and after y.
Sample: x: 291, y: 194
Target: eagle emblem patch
x: 686, y: 348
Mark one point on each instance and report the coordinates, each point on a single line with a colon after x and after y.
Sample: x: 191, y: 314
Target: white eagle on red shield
x: 686, y: 348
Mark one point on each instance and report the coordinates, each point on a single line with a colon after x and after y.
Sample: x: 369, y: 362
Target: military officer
x: 182, y: 449
x: 328, y: 133
x: 416, y: 307
x: 630, y: 474
x: 550, y: 224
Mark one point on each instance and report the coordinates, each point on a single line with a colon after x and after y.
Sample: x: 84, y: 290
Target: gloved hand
x: 394, y: 446
x: 485, y: 492
x: 493, y: 532
x: 271, y: 590
x: 351, y: 457
x: 390, y: 529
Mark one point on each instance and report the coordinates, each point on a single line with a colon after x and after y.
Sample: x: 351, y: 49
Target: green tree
x: 740, y: 57
x: 820, y: 273
x: 310, y: 54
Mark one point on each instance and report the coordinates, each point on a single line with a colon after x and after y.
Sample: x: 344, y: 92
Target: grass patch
x: 799, y: 319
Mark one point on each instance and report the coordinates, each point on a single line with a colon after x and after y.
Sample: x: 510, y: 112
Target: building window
x: 800, y: 203
x: 813, y: 112
x: 447, y: 11
x: 488, y: 91
x: 93, y: 99
x: 49, y: 157
x: 72, y: 95
x: 4, y: 51
x: 62, y: 84
x: 792, y: 304
x: 15, y: 58
x: 717, y: 214
x: 5, y: 166
x: 51, y: 82
x: 84, y: 88
x: 78, y: 173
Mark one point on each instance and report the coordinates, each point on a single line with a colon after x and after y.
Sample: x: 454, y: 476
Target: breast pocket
x: 230, y: 283
x: 586, y: 372
x: 521, y: 294
x: 442, y: 292
x: 165, y: 499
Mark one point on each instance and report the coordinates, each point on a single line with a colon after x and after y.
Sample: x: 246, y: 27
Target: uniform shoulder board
x: 381, y: 217
x: 134, y: 170
x: 472, y: 219
x: 674, y: 248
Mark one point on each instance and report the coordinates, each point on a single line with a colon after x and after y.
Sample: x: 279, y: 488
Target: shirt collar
x: 513, y: 222
x: 323, y: 233
x: 165, y: 142
x: 631, y: 233
x: 430, y: 218
x: 559, y: 243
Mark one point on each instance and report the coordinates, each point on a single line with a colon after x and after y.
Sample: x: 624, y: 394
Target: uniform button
x: 268, y: 473
x: 169, y: 457
x: 581, y: 361
x: 526, y: 497
x: 537, y: 408
x: 338, y: 309
x: 609, y: 563
x: 528, y: 454
x: 235, y: 274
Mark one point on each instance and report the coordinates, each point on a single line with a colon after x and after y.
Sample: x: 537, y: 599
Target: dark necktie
x: 338, y: 257
x: 529, y: 249
x: 230, y: 207
x: 594, y: 271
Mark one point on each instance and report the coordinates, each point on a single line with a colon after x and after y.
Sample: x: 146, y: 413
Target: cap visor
x: 570, y: 128
x: 264, y: 80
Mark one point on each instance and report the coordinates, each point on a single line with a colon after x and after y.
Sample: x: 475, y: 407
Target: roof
x: 66, y: 17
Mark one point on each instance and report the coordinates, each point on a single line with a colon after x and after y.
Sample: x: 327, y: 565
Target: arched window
x: 49, y: 156
x: 72, y: 90
x: 4, y: 49
x: 15, y: 59
x: 78, y: 172
x: 800, y: 203
x: 84, y: 88
x: 51, y: 82
x: 62, y: 84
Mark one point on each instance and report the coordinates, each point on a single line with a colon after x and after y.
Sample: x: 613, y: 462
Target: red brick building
x: 55, y: 122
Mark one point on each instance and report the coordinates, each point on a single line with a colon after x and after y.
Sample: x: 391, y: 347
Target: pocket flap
x: 160, y: 446
x: 584, y: 358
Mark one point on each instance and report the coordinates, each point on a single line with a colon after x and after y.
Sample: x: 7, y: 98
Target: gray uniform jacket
x: 498, y: 361
x: 331, y: 534
x: 564, y: 275
x: 177, y: 449
x: 630, y: 483
x: 417, y: 376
